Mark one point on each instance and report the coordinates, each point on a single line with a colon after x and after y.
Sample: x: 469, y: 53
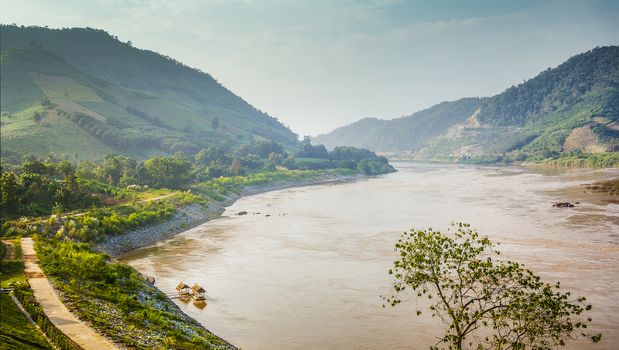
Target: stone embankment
x: 186, y: 217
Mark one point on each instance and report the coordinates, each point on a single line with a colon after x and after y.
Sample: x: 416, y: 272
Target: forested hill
x: 82, y: 92
x: 571, y: 108
x: 406, y: 133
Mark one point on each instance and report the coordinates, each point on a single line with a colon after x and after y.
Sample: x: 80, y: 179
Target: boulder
x: 563, y: 205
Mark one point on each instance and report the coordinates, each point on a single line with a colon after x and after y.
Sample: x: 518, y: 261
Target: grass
x: 15, y: 330
x: 54, y: 133
x: 12, y: 271
x: 182, y: 102
x: 116, y: 301
x: 59, y: 87
x: 220, y: 187
x: 584, y: 160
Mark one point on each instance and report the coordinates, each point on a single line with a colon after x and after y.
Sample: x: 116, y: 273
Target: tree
x: 167, y: 172
x: 9, y: 194
x: 486, y: 303
x: 273, y: 161
x: 65, y: 168
x: 236, y: 168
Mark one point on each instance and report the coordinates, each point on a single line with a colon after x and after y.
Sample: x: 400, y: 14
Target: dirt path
x: 55, y: 310
x: 9, y: 253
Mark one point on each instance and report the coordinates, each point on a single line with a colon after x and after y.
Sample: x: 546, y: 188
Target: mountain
x: 402, y: 134
x: 573, y: 107
x: 82, y: 92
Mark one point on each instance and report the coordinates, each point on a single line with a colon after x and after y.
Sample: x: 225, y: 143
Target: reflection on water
x: 310, y: 275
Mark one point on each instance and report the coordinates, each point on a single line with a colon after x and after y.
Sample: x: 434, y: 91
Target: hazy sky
x: 317, y: 65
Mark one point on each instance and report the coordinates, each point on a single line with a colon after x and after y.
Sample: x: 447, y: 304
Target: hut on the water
x: 183, y: 289
x: 198, y: 292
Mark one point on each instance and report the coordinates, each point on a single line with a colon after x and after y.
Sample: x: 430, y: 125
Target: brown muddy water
x: 310, y: 275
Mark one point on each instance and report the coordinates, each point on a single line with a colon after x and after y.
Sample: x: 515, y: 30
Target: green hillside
x: 82, y: 93
x: 566, y: 111
x: 403, y: 134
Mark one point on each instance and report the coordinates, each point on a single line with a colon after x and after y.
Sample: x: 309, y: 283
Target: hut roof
x: 197, y: 288
x: 181, y: 285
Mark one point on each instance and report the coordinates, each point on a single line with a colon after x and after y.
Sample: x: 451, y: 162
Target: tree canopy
x: 485, y: 303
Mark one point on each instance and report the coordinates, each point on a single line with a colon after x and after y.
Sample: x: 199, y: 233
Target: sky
x: 317, y: 65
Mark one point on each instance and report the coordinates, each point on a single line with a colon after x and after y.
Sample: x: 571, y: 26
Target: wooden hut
x: 183, y: 289
x: 198, y: 292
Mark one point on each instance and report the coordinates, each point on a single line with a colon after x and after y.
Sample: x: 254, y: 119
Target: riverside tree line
x: 38, y: 186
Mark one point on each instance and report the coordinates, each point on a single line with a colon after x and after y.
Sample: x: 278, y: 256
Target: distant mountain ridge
x: 85, y: 84
x: 393, y: 135
x: 573, y: 107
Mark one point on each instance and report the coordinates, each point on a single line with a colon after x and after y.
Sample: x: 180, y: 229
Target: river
x: 306, y: 267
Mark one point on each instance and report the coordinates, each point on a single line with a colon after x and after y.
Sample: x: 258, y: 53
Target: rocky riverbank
x: 194, y: 215
x: 186, y: 217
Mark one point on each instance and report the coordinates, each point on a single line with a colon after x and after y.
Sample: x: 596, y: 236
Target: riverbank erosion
x: 194, y: 214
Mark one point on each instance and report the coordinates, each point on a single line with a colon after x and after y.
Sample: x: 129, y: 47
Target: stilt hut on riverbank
x: 198, y: 292
x: 183, y: 289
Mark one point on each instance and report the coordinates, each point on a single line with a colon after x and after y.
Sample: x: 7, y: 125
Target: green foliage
x: 117, y: 301
x: 472, y: 291
x: 530, y: 121
x: 167, y: 172
x: 582, y: 160
x: 346, y: 157
x: 33, y: 308
x: 375, y: 166
x: 403, y: 134
x: 39, y: 187
x: 12, y: 271
x: 16, y: 333
x: 110, y: 221
x: 220, y: 187
x: 554, y: 88
x: 133, y: 101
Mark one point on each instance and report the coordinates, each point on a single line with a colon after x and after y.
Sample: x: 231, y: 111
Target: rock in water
x: 563, y: 205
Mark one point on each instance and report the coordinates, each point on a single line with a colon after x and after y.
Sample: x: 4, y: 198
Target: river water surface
x: 306, y: 267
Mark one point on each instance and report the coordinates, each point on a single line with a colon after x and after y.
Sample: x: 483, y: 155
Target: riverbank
x: 194, y: 215
x: 312, y: 278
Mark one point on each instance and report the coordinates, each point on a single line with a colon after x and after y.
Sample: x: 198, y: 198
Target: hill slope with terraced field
x: 83, y: 94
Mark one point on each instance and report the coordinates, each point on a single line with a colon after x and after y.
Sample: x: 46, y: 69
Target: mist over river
x: 310, y: 274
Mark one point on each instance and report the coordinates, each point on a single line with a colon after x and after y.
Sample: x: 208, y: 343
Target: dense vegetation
x: 554, y: 89
x: 37, y: 187
x: 64, y: 87
x: 571, y: 108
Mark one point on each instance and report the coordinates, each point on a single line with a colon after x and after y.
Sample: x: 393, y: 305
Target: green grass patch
x: 15, y: 330
x: 12, y: 271
x: 115, y: 300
